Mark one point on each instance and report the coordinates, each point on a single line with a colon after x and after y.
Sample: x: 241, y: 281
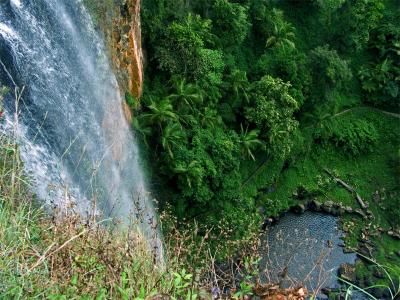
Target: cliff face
x: 135, y: 42
x: 127, y: 48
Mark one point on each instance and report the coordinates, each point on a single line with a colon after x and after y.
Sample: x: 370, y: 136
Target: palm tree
x: 282, y: 33
x: 193, y: 169
x: 171, y: 137
x: 210, y: 118
x: 160, y: 112
x: 239, y: 84
x: 322, y: 113
x: 249, y: 141
x: 140, y: 127
x: 186, y: 95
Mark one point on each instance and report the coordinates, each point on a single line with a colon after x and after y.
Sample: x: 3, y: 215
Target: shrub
x: 272, y: 112
x: 231, y: 22
x: 353, y: 136
x: 380, y: 80
x: 290, y: 67
x: 184, y: 50
x: 330, y: 69
x: 356, y: 20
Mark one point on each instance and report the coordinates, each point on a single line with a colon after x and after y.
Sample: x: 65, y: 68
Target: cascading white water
x: 74, y: 139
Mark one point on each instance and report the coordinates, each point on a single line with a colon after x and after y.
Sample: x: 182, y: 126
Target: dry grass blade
x: 45, y: 256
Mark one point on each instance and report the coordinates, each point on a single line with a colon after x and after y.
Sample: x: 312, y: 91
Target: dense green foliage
x: 354, y: 136
x: 232, y: 84
x: 246, y: 103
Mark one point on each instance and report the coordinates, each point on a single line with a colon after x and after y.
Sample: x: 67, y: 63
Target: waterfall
x: 74, y: 140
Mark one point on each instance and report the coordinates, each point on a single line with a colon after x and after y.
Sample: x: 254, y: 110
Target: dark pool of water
x: 304, y: 249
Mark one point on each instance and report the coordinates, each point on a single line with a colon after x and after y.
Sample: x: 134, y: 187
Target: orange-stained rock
x: 127, y: 51
x: 135, y: 69
x: 127, y: 112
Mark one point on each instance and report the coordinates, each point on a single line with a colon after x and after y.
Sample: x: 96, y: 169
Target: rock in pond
x: 349, y: 209
x: 299, y: 209
x: 347, y: 272
x: 314, y: 205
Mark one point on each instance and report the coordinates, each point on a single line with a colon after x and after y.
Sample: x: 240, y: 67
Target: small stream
x: 304, y: 250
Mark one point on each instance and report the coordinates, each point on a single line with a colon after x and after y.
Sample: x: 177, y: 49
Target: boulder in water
x: 328, y: 203
x: 341, y: 210
x: 327, y: 207
x: 299, y: 209
x: 314, y: 205
x: 349, y: 209
x: 347, y: 272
